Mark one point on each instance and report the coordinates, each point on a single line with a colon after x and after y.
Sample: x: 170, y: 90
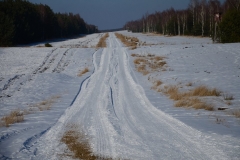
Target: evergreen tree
x: 7, y: 29
x: 230, y: 27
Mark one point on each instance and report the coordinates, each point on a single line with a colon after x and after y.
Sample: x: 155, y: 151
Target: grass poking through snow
x: 15, y: 116
x: 102, y: 42
x: 190, y: 99
x: 47, y: 104
x: 85, y: 70
x: 131, y: 42
x: 78, y: 143
x: 149, y: 63
x: 204, y: 91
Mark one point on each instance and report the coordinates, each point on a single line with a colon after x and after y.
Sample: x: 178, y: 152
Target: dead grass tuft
x: 15, y: 116
x: 142, y: 69
x: 204, y: 91
x: 134, y: 55
x: 156, y: 84
x: 187, y: 102
x: 43, y: 105
x: 173, y: 92
x: 151, y: 63
x: 185, y: 99
x: 78, y: 143
x: 83, y: 72
x: 140, y: 61
x: 204, y: 105
x: 131, y: 42
x: 102, y: 42
x: 47, y: 104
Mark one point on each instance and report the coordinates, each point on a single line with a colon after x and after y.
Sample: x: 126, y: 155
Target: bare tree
x: 192, y: 6
x: 183, y: 14
x: 202, y: 14
x: 234, y: 4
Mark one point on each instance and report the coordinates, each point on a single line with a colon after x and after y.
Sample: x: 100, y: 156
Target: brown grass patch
x: 83, y: 72
x: 186, y: 99
x: 15, y: 116
x: 47, y: 104
x: 203, y: 105
x: 140, y: 61
x: 131, y: 42
x: 78, y: 143
x: 43, y: 105
x: 142, y: 69
x: 156, y: 84
x: 102, y: 42
x: 204, y: 91
x: 150, y: 61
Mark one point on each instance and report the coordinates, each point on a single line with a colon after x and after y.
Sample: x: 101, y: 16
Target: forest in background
x: 22, y: 22
x: 201, y: 18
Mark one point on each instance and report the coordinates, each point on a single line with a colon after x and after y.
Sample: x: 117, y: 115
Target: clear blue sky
x: 110, y: 14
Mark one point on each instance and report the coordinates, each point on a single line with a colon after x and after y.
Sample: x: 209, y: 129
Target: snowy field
x: 114, y: 104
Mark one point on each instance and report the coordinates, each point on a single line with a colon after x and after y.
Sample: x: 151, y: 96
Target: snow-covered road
x: 112, y: 108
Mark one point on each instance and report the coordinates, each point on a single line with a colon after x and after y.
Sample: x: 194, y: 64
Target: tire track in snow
x: 15, y: 84
x: 53, y: 135
x: 44, y: 62
x: 63, y: 62
x: 30, y: 142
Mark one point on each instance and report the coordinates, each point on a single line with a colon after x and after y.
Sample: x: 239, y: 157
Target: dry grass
x: 186, y: 99
x: 156, y: 84
x: 102, y: 42
x: 140, y: 61
x: 131, y: 42
x: 148, y: 63
x: 15, y: 116
x: 47, y: 104
x: 78, y: 143
x: 204, y: 91
x: 142, y: 69
x: 83, y: 72
x: 194, y: 103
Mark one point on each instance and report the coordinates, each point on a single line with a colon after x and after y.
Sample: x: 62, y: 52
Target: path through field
x: 113, y: 110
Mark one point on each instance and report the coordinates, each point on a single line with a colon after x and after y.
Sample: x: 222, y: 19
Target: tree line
x: 201, y: 18
x: 23, y: 22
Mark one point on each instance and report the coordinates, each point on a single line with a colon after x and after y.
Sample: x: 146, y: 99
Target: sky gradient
x: 111, y: 14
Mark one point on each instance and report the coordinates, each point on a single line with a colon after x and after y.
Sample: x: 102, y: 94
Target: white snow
x: 114, y: 104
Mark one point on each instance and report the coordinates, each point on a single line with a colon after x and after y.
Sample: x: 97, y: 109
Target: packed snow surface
x: 114, y: 104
